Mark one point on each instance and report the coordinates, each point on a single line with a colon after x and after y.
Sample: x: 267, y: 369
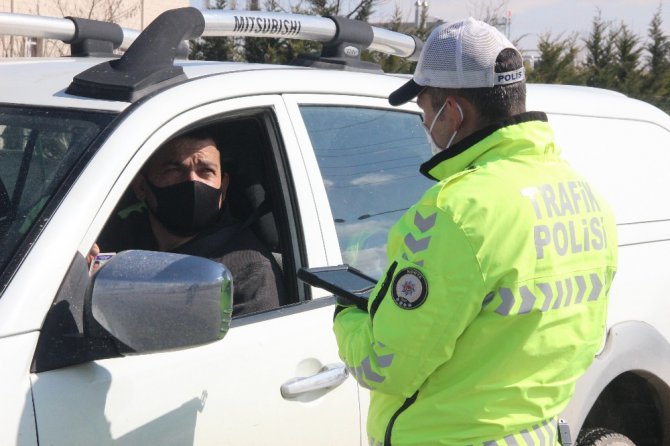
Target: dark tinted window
x: 38, y: 147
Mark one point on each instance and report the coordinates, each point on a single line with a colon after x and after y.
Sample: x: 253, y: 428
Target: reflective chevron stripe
x: 364, y: 373
x: 414, y: 244
x: 547, y: 295
x: 424, y: 224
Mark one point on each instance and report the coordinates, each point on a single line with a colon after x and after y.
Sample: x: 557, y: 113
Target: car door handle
x: 328, y: 377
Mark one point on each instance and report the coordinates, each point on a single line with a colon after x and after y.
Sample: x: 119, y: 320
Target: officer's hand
x: 344, y: 303
x: 360, y: 302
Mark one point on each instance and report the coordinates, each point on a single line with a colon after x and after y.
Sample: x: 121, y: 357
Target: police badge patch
x: 409, y: 289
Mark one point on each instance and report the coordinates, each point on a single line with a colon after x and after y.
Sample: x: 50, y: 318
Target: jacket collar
x: 465, y: 152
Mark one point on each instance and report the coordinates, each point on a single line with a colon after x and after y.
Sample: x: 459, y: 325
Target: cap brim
x: 405, y: 93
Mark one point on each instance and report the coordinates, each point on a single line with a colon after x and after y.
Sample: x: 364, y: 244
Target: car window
x: 249, y: 235
x: 38, y: 147
x: 369, y: 161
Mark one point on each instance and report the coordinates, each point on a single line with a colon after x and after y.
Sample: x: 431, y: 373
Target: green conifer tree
x: 213, y: 48
x: 557, y: 62
x: 656, y: 79
x: 627, y: 54
x: 599, y: 47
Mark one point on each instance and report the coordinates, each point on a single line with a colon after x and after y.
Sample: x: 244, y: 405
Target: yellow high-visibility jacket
x: 494, y: 300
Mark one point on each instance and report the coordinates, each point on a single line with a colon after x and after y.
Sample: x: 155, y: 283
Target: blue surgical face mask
x: 434, y: 147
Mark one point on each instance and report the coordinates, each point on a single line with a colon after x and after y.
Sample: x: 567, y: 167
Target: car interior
x: 254, y: 195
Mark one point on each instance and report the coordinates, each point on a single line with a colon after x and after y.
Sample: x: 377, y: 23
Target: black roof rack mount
x: 148, y: 65
x: 93, y: 38
x: 343, y: 52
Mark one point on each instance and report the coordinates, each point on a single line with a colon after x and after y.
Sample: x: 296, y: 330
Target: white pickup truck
x: 135, y: 354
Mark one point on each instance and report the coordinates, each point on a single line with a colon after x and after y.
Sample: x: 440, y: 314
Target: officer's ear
x: 453, y: 111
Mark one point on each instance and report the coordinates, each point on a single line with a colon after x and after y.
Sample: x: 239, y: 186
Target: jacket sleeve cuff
x: 342, y: 308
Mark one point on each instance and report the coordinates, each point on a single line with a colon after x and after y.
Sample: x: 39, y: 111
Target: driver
x: 181, y: 193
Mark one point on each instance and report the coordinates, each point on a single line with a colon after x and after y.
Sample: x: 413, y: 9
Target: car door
x: 363, y: 160
x: 247, y: 389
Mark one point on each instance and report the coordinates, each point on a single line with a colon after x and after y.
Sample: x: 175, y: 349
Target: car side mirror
x: 149, y: 301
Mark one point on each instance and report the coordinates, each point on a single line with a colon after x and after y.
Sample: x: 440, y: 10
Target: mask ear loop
x: 460, y: 110
x: 437, y: 115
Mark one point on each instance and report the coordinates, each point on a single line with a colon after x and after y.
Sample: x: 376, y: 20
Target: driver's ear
x: 140, y: 187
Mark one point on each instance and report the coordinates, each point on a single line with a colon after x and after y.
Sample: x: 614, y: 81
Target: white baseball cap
x: 459, y: 55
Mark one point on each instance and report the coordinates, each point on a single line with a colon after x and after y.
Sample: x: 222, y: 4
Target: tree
x: 558, y: 61
x: 490, y: 11
x: 495, y: 13
x: 656, y: 78
x: 103, y: 10
x: 599, y: 49
x: 113, y: 11
x: 627, y: 61
x: 363, y: 11
x: 393, y: 64
x: 215, y: 48
x: 281, y: 51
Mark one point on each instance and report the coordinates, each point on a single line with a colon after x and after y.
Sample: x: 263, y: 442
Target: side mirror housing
x: 149, y: 301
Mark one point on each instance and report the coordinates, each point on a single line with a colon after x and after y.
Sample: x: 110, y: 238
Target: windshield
x: 38, y: 148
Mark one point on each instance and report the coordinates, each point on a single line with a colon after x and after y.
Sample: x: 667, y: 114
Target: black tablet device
x: 343, y: 280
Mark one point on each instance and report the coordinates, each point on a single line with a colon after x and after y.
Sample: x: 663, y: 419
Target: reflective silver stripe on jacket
x: 544, y: 434
x: 373, y: 442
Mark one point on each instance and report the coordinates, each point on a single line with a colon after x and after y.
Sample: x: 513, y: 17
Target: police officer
x: 495, y: 296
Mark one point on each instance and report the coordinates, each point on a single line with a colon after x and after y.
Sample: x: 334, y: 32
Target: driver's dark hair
x: 495, y: 103
x: 203, y: 133
x: 198, y: 134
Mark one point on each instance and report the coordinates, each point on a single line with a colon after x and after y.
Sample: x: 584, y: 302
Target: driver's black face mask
x: 186, y: 208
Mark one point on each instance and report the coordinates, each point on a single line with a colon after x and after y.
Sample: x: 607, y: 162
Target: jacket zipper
x: 408, y: 402
x: 382, y: 291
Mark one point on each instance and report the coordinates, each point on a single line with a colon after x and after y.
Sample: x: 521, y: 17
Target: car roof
x: 149, y: 65
x: 42, y: 82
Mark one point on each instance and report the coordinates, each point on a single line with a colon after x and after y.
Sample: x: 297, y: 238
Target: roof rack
x: 343, y: 38
x: 148, y: 63
x: 329, y: 30
x: 86, y: 37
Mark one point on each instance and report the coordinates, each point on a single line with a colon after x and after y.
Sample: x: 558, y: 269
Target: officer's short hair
x: 494, y: 103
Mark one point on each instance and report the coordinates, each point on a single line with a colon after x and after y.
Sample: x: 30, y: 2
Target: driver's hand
x: 94, y: 251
